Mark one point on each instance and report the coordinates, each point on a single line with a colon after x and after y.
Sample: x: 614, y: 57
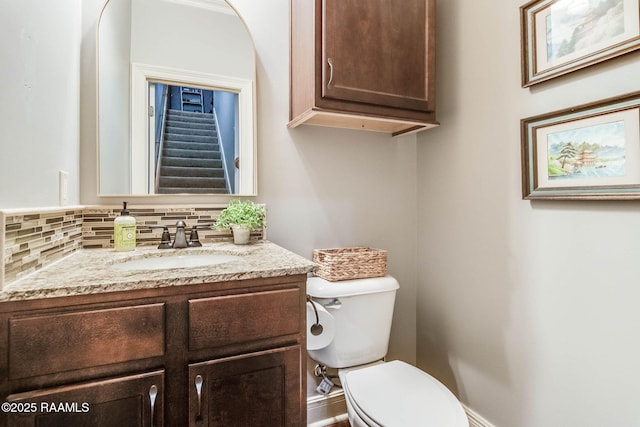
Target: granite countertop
x: 91, y: 271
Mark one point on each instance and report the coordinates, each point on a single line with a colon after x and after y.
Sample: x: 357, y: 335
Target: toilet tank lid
x: 320, y: 288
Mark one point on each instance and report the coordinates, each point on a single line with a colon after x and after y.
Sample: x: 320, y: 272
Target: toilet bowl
x: 377, y: 393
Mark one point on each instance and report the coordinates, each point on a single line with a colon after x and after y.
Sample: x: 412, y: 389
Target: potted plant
x: 241, y: 217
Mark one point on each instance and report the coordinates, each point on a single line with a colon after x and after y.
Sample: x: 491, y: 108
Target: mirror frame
x: 140, y: 75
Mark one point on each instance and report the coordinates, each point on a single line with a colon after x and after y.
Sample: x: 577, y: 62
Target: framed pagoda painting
x: 587, y: 152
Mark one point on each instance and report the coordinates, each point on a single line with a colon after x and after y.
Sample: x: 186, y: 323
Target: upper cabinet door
x: 376, y: 52
x: 363, y: 64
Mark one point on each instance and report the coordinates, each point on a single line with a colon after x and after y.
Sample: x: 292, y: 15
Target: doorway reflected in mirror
x: 194, y: 139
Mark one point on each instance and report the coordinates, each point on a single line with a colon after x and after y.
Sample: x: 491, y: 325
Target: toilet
x: 358, y: 315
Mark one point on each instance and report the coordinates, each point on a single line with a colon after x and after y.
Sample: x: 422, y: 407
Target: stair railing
x: 160, y: 144
x: 224, y: 160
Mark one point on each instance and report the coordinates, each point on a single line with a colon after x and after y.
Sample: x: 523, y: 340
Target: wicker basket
x: 350, y: 263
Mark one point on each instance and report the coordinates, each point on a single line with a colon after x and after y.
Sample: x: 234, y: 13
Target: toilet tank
x: 363, y: 311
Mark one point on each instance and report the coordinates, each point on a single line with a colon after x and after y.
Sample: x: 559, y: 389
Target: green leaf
x: 240, y: 212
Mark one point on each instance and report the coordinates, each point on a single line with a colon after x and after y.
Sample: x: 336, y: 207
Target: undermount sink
x: 176, y: 261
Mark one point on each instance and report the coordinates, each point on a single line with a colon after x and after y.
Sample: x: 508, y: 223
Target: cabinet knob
x: 153, y: 393
x: 330, y: 82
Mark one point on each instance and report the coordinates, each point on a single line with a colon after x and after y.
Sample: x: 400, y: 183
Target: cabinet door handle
x: 198, y: 383
x: 153, y: 393
x: 330, y: 82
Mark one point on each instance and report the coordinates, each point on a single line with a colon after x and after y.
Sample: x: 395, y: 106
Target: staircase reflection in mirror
x: 194, y: 139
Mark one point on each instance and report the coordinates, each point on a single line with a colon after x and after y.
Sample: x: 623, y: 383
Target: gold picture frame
x: 588, y: 152
x: 562, y: 36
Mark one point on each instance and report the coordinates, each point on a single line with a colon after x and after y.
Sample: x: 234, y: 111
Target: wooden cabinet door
x: 262, y: 389
x: 376, y: 52
x: 132, y: 401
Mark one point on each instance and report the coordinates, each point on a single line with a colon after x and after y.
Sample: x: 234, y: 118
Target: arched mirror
x: 176, y: 83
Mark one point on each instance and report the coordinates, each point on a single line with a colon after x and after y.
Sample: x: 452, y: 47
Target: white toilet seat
x: 357, y: 417
x: 396, y: 394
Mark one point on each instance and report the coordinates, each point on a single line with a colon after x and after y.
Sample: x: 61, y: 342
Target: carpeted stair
x: 191, y: 158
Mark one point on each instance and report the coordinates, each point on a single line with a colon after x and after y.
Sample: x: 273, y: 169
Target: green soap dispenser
x: 124, y: 231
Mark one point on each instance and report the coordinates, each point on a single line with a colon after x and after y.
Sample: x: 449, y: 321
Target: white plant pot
x: 241, y: 234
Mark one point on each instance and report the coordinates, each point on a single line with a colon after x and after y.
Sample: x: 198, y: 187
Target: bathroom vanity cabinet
x: 363, y: 65
x: 212, y: 354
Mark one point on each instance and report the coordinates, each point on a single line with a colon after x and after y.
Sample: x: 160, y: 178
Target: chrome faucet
x: 180, y: 240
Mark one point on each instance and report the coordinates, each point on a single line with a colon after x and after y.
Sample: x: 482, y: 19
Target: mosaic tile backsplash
x: 33, y: 240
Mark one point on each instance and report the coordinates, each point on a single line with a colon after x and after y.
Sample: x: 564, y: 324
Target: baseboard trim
x: 475, y: 420
x: 326, y: 410
x: 329, y: 421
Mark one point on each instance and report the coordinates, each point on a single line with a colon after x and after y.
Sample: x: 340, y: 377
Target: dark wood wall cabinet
x: 218, y: 354
x: 363, y: 64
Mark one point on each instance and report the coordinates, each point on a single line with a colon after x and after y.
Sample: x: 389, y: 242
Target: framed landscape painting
x: 561, y: 36
x: 586, y: 152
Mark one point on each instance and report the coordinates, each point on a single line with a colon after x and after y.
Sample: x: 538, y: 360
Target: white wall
x: 527, y: 309
x: 187, y: 39
x: 114, y: 75
x: 39, y: 112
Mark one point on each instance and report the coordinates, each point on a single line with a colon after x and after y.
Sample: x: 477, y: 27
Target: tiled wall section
x: 98, y: 224
x: 35, y: 239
